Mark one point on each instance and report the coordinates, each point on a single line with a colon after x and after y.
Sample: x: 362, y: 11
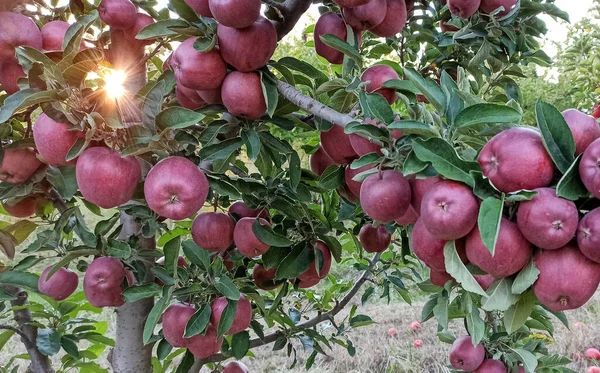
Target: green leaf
x: 269, y: 88
x: 475, y: 325
x: 186, y: 363
x: 516, y: 316
x: 332, y: 177
x: 25, y: 98
x: 137, y: 292
x: 342, y: 46
x: 486, y: 113
x: 48, y: 341
x: 361, y: 320
x: 171, y: 251
x: 226, y: 287
x: 240, y: 344
x: 445, y: 160
x: 499, y: 296
x: 402, y: 85
x: 221, y: 150
x: 196, y: 255
x: 155, y: 314
x: 412, y: 127
x: 490, y: 216
x: 570, y: 185
x: 64, y: 180
x: 334, y: 246
x: 198, y: 322
x: 118, y: 249
x: 295, y: 263
x: 163, y: 350
x: 526, y: 278
x: 429, y: 88
x: 557, y: 136
x: 20, y: 279
x: 528, y: 359
x: 457, y: 269
x: 177, y: 118
x: 161, y: 28
x: 266, y: 235
x: 375, y: 106
x: 227, y: 317
x: 252, y: 142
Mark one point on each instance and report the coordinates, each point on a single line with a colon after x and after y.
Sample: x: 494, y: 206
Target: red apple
x: 440, y: 278
x: 488, y: 6
x: 419, y: 188
x: 596, y: 111
x: 485, y: 281
x: 445, y: 27
x: 60, y: 285
x: 141, y: 21
x: 10, y: 72
x: 243, y: 316
x: 240, y: 209
x: 200, y: 6
x: 18, y: 165
x: 174, y: 321
x: 430, y: 250
x: 188, y: 98
x: 102, y: 282
x: 235, y: 13
x: 203, y: 346
x: 374, y: 240
x: 349, y: 174
x: 463, y: 8
x: 365, y: 17
x: 264, y: 278
x: 118, y: 14
x: 410, y: 217
x: 491, y: 366
x: 465, y: 356
x: 53, y: 140
x: 330, y: 23
x: 211, y: 96
x: 394, y: 21
x: 198, y: 70
x: 336, y: 144
x: 176, y: 188
x: 589, y: 168
x: 313, y: 273
x: 385, y: 196
x: 319, y: 161
x: 351, y: 3
x: 17, y: 30
x: 235, y: 367
x: 53, y: 35
x: 213, y: 231
x: 22, y: 209
x: 376, y: 76
x: 246, y: 241
x: 363, y: 146
x: 243, y: 96
x: 585, y: 129
x: 588, y: 235
x: 592, y: 354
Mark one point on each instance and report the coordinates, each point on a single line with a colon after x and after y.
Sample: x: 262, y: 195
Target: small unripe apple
x: 213, y: 231
x: 18, y: 165
x: 243, y: 316
x: 53, y: 140
x: 118, y: 14
x: 60, y: 285
x: 246, y: 241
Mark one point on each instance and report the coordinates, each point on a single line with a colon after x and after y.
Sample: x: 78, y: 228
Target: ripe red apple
x: 345, y: 193
x: 589, y: 168
x: 585, y: 129
x: 588, y: 235
x: 488, y: 6
x: 567, y: 278
x: 463, y: 8
x: 105, y: 178
x: 53, y: 140
x: 22, y: 209
x: 198, y: 70
x: 243, y: 95
x: 118, y: 14
x: 516, y: 159
x: 243, y: 316
x: 592, y: 369
x: 17, y: 30
x: 174, y: 321
x: 337, y: 145
x: 512, y: 252
x: 374, y: 240
x: 235, y: 13
x: 188, y: 98
x: 419, y: 188
x: 592, y: 354
x: 312, y: 274
x: 410, y: 217
x: 465, y: 356
x: 235, y: 367
x: 351, y: 3
x: 142, y: 20
x: 264, y: 278
x: 246, y: 241
x: 319, y: 161
x: 440, y: 278
x: 60, y: 285
x: 307, y: 283
x: 395, y: 18
x: 176, y: 188
x: 547, y: 221
x: 449, y: 210
x: 211, y: 96
x: 240, y: 209
x: 365, y: 17
x: 203, y: 346
x: 249, y: 48
x: 102, y: 282
x: 491, y: 366
x: 376, y: 76
x: 213, y: 231
x: 485, y: 281
x: 349, y: 174
x: 430, y: 250
x: 385, y: 196
x: 596, y: 111
x: 330, y: 23
x: 53, y: 35
x: 18, y: 165
x: 10, y: 72
x: 200, y: 6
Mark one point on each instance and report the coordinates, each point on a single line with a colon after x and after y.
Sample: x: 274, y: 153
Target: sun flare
x: 114, y: 80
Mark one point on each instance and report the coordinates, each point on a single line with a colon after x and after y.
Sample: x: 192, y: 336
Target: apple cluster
x: 469, y: 358
x: 466, y: 8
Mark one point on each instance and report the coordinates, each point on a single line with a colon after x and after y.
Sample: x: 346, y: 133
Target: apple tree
x: 161, y: 157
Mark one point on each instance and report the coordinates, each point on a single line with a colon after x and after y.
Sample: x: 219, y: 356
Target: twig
x: 58, y: 201
x: 23, y: 336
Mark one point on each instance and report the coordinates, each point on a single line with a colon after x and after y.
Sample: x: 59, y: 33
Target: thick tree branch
x: 312, y: 106
x: 327, y: 316
x: 291, y: 11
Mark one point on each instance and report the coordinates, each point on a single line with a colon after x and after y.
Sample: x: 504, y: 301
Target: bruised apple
x: 60, y: 285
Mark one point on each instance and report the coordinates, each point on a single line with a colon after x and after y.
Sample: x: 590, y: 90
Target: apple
x: 102, y: 282
x: 10, y: 72
x: 512, y: 252
x: 395, y: 18
x: 592, y: 354
x: 118, y: 14
x: 345, y: 193
x: 200, y: 6
x: 176, y: 188
x: 440, y: 278
x: 22, y: 209
x: 349, y: 174
x: 445, y: 27
x: 351, y: 3
x: 53, y: 35
x: 105, y: 178
x: 17, y: 30
x: 235, y: 367
x: 596, y: 111
x: 491, y: 366
x: 337, y: 145
x: 509, y: 158
x: 249, y: 48
x: 60, y: 285
x: 376, y: 76
x: 365, y: 17
x: 588, y: 235
x: 243, y: 316
x: 592, y: 369
x: 415, y: 326
x: 235, y: 13
x: 465, y: 356
x: 53, y: 140
x: 188, y: 98
x: 18, y: 165
x: 198, y: 70
x: 547, y: 221
x: 319, y: 161
x: 203, y: 346
x: 449, y: 210
x: 589, y: 168
x: 211, y: 96
x: 410, y: 217
x: 392, y: 332
x: 241, y: 210
x: 385, y: 196
x: 307, y: 283
x: 141, y: 21
x: 213, y: 231
x: 420, y: 187
x: 374, y: 240
x: 246, y: 241
x: 330, y: 23
x: 312, y: 273
x: 174, y: 321
x: 243, y: 95
x: 488, y: 6
x: 463, y: 8
x: 485, y: 281
x: 363, y: 146
x: 430, y: 250
x: 585, y: 129
x: 567, y: 278
x: 264, y: 278
x: 418, y: 343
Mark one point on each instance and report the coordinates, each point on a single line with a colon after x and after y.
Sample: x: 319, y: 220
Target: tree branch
x: 291, y: 11
x: 23, y: 336
x: 327, y: 316
x: 312, y: 106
